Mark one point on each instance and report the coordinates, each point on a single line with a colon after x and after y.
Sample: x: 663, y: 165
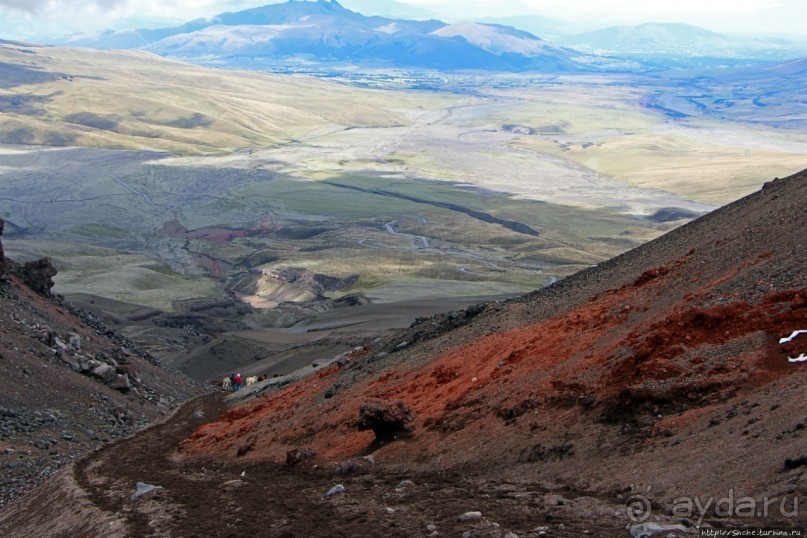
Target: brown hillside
x: 67, y: 384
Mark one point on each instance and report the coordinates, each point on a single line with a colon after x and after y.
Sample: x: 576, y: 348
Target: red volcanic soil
x: 215, y: 234
x: 673, y: 378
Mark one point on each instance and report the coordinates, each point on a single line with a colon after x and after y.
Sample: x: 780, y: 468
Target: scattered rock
x: 355, y: 466
x: 105, y: 373
x: 648, y: 530
x: 74, y: 339
x: 141, y: 488
x: 297, y: 456
x: 337, y: 489
x: 470, y: 516
x: 231, y: 485
x: 121, y: 383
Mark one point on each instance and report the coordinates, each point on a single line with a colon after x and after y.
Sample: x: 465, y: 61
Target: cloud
x: 31, y: 18
x: 34, y: 6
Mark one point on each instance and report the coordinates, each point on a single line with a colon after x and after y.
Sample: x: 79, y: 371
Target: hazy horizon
x: 40, y: 19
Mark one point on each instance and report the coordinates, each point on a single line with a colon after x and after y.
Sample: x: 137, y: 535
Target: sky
x: 38, y: 19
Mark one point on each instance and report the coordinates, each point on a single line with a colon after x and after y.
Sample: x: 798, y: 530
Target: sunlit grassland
x: 715, y: 172
x: 606, y: 130
x: 134, y: 100
x: 575, y: 110
x: 485, y: 257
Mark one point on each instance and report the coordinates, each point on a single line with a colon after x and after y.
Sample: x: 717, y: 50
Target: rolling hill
x: 680, y: 39
x: 132, y: 99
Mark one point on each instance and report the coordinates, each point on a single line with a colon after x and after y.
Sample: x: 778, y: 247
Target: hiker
x: 237, y: 383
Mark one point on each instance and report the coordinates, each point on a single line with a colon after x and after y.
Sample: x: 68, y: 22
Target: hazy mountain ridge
x: 326, y: 31
x: 678, y: 38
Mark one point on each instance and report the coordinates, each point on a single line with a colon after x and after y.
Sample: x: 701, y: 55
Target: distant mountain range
x: 326, y: 31
x: 323, y: 31
x: 680, y: 39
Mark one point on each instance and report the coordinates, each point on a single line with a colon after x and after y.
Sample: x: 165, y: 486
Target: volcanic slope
x: 661, y: 368
x: 654, y: 377
x: 67, y: 383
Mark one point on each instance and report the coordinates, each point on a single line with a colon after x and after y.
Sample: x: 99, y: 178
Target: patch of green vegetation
x: 101, y: 230
x: 231, y: 252
x: 322, y: 199
x: 130, y: 278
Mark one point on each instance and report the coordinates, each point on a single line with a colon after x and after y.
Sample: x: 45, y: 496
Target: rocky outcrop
x: 386, y: 419
x: 38, y: 275
x: 68, y: 382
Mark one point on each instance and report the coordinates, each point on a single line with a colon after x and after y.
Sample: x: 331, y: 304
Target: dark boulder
x: 297, y: 456
x: 38, y: 275
x: 388, y: 420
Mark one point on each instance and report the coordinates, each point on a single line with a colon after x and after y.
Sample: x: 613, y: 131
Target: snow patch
x: 800, y: 358
x: 791, y: 337
x: 391, y: 28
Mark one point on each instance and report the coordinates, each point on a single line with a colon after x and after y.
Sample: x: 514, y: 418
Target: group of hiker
x: 235, y: 381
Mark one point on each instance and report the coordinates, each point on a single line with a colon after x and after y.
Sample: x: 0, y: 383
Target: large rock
x: 386, y: 419
x: 38, y: 275
x: 105, y: 373
x: 121, y: 383
x: 297, y: 456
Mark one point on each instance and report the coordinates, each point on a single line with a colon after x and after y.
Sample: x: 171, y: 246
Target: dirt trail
x: 273, y: 499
